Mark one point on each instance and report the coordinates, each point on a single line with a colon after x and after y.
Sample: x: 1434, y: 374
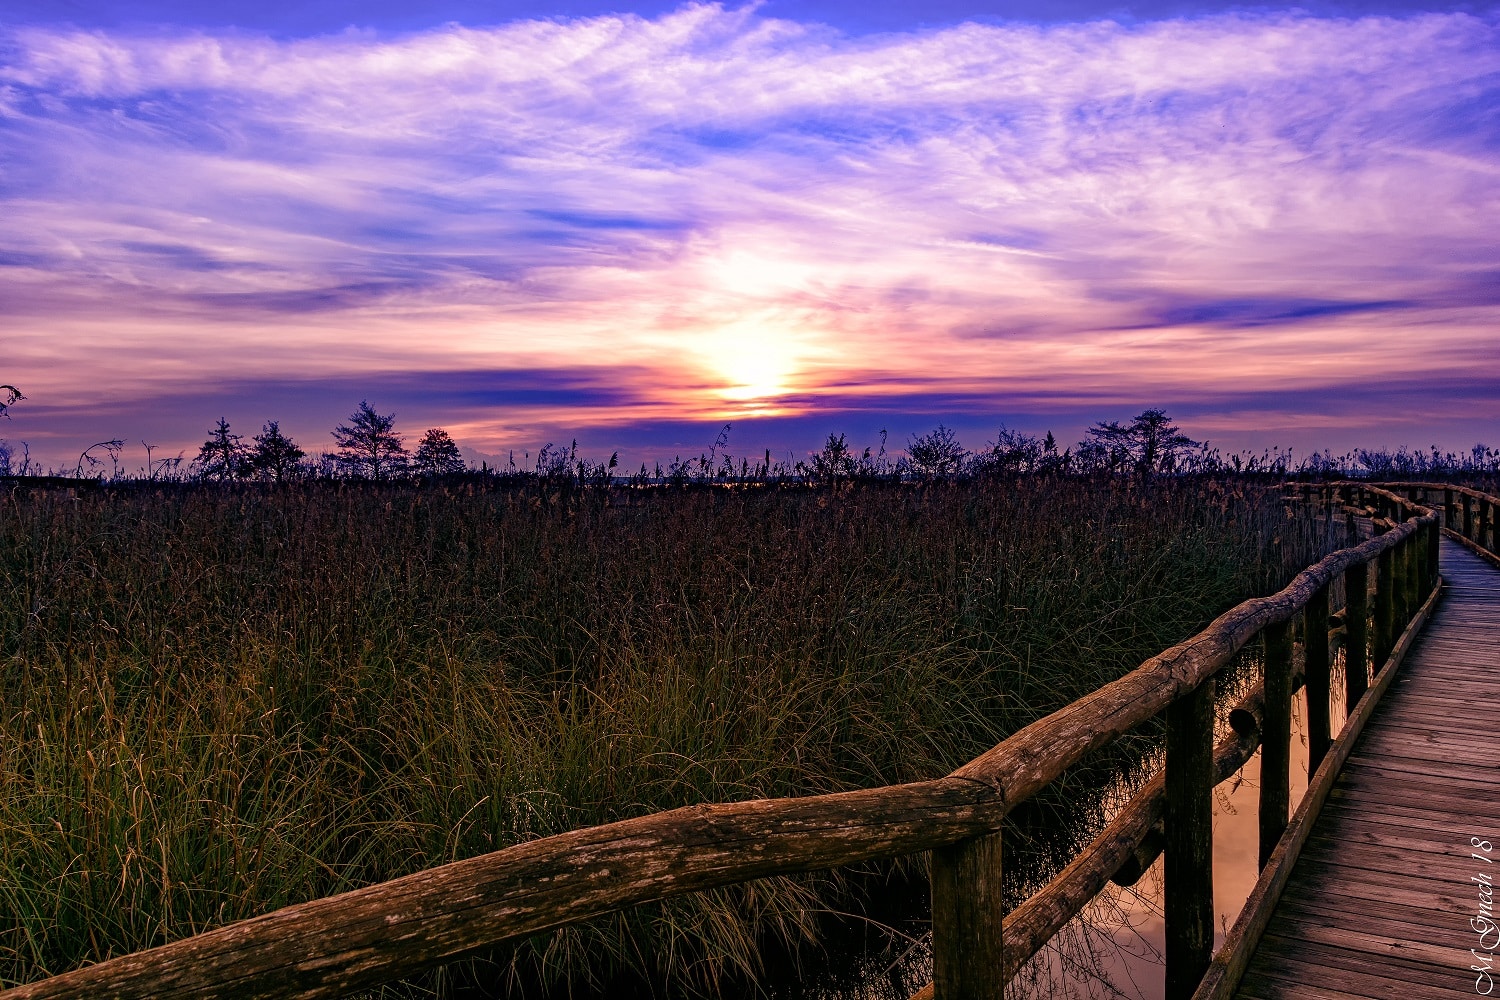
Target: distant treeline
x: 369, y: 447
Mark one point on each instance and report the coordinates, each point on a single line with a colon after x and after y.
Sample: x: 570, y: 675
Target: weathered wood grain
x: 1188, y: 876
x: 967, y: 912
x: 333, y: 946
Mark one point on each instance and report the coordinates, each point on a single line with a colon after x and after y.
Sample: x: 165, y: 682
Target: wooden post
x: 1468, y: 531
x: 1418, y: 582
x: 1351, y: 528
x: 1400, y: 582
x: 1416, y: 553
x: 1433, y: 536
x: 1188, y: 874
x: 1356, y: 634
x: 1448, y: 507
x: 1482, y: 532
x: 1316, y: 671
x: 1384, y: 572
x: 1276, y: 737
x: 967, y: 959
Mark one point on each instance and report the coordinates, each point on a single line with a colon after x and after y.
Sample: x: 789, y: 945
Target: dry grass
x: 218, y: 701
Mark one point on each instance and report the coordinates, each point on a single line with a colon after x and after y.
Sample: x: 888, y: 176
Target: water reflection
x: 1114, y: 948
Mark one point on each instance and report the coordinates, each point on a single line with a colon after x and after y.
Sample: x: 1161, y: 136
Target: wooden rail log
x: 1464, y: 512
x: 333, y: 946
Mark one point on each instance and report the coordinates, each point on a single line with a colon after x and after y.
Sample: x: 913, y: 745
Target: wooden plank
x: 1422, y: 717
x: 1437, y: 703
x: 1432, y: 730
x: 1410, y: 924
x: 1441, y: 866
x: 1386, y: 855
x: 1371, y: 939
x: 1423, y: 712
x: 1427, y: 732
x: 1399, y: 838
x: 1265, y: 988
x: 1386, y: 966
x: 1297, y: 975
x: 1361, y: 865
x: 1357, y: 883
x: 1445, y: 811
x: 1454, y: 683
x: 1338, y: 813
x: 1448, y: 664
x: 1439, y: 811
x: 1400, y: 770
x: 1445, y: 758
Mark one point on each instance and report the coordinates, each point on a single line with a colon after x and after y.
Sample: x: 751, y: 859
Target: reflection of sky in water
x: 1117, y: 944
x: 1114, y: 948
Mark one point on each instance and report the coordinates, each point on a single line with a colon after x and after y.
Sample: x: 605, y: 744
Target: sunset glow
x: 633, y: 228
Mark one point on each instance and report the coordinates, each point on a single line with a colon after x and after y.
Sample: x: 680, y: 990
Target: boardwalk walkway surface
x: 1380, y: 902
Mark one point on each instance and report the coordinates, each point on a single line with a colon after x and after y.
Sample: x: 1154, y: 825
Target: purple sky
x: 530, y: 223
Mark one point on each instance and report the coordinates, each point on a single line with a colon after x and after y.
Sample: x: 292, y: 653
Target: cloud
x: 744, y: 216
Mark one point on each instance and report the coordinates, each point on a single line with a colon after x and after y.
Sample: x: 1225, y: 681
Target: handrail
x: 331, y: 946
x: 1469, y: 515
x: 1472, y: 525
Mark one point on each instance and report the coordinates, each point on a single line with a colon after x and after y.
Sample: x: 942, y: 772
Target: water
x: 1114, y: 948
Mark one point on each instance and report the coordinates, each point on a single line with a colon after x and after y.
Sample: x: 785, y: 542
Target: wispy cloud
x: 744, y: 217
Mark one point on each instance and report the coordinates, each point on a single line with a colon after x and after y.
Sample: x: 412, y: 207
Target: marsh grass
x: 216, y: 701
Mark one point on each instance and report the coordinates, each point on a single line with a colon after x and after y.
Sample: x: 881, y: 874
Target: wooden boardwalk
x: 1380, y: 902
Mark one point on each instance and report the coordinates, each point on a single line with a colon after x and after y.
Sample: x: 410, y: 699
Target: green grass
x: 217, y: 702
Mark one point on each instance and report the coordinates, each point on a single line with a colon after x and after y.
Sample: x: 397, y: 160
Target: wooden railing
x: 329, y: 947
x: 1468, y: 515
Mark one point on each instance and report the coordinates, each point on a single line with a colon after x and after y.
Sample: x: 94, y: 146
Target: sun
x: 754, y: 360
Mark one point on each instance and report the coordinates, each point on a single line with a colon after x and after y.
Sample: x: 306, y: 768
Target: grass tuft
x: 217, y: 701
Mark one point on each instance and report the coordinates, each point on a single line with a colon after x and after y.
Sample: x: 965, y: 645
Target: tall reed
x: 216, y: 701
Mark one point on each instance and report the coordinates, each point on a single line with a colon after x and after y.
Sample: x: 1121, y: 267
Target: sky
x: 632, y: 224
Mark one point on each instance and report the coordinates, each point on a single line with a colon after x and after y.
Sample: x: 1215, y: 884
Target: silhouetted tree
x: 836, y: 461
x: 369, y: 445
x: 275, y: 456
x: 1149, y: 444
x: 437, y: 454
x: 937, y: 455
x: 222, y: 456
